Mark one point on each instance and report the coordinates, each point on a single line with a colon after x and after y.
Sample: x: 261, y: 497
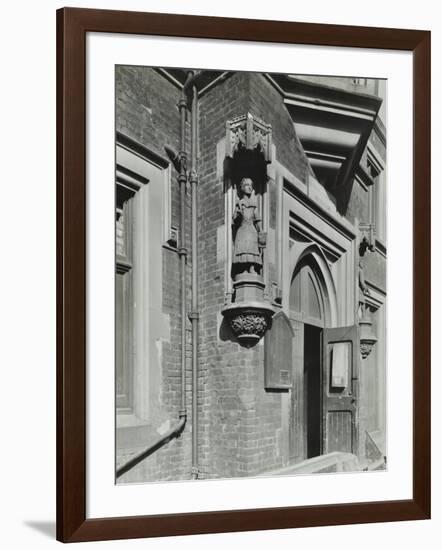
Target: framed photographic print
x: 243, y: 274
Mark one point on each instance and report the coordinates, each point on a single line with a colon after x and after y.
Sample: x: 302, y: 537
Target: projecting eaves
x: 333, y: 125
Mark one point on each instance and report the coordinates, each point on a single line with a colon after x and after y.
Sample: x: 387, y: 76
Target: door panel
x: 297, y: 443
x: 339, y: 429
x: 340, y: 389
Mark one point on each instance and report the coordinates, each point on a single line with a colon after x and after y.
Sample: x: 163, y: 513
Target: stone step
x: 328, y: 463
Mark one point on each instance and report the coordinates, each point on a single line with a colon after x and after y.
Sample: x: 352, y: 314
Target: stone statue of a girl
x: 249, y: 239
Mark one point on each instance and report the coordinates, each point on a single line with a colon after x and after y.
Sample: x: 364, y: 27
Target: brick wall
x: 146, y: 110
x: 220, y: 418
x: 265, y: 102
x: 240, y: 423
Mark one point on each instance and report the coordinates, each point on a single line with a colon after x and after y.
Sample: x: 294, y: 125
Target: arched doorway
x: 310, y: 310
x: 325, y: 366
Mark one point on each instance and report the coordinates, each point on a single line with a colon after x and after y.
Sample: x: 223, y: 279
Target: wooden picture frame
x: 72, y: 27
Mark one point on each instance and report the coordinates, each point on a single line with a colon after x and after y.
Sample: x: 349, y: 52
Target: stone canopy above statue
x: 248, y: 151
x: 247, y: 132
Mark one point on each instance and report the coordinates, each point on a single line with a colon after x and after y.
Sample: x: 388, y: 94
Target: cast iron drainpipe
x: 194, y: 313
x: 179, y: 161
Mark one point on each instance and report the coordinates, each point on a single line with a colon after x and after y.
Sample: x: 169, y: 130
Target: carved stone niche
x: 248, y: 153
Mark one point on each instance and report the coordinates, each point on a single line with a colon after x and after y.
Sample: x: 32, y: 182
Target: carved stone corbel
x: 367, y: 337
x: 367, y: 238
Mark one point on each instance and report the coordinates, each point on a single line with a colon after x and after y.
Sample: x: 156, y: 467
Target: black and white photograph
x: 250, y: 286
x: 219, y: 322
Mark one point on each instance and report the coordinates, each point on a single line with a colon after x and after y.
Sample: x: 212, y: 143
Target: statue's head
x: 246, y: 186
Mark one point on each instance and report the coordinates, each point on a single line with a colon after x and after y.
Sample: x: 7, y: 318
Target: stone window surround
x: 137, y: 168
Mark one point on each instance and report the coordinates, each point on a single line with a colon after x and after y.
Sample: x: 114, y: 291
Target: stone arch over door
x: 310, y: 258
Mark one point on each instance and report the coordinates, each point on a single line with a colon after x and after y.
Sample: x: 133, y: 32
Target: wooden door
x: 340, y: 389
